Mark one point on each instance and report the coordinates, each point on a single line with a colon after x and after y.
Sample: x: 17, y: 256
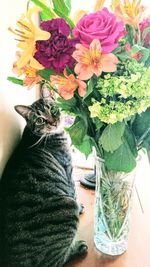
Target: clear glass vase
x: 114, y: 191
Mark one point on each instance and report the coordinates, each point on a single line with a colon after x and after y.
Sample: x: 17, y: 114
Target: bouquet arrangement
x: 99, y: 65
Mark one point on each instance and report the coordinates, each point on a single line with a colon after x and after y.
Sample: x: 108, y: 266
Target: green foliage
x: 122, y: 159
x: 69, y: 106
x: 86, y: 146
x: 130, y: 34
x: 122, y: 96
x: 90, y: 87
x: 77, y: 131
x: 45, y: 73
x: 115, y: 197
x: 144, y: 51
x: 15, y: 80
x: 141, y: 129
x: 111, y: 137
x: 130, y: 138
x: 145, y: 32
x: 47, y: 12
x: 62, y: 8
x: 146, y: 144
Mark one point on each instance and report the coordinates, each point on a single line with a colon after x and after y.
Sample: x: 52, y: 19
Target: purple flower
x: 54, y: 25
x: 57, y: 50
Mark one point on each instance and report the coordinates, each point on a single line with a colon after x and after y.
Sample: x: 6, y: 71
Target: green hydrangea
x: 123, y: 96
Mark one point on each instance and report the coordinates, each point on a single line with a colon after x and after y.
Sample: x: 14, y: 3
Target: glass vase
x: 114, y: 191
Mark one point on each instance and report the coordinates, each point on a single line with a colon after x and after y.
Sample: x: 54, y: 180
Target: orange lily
x: 28, y: 34
x: 130, y: 11
x: 67, y: 85
x: 92, y: 61
x: 32, y: 76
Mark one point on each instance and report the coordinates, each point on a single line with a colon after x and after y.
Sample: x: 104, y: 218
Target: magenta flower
x: 143, y: 25
x: 57, y: 50
x: 102, y: 25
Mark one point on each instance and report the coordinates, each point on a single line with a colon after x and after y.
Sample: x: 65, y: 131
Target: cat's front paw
x: 81, y: 208
x: 81, y: 247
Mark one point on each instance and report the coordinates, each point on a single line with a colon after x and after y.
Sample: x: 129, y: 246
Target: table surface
x: 138, y: 253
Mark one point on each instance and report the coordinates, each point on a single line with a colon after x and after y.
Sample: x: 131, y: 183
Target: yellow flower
x: 99, y: 5
x: 78, y: 15
x: 130, y: 11
x: 28, y: 33
x: 95, y: 110
x: 30, y: 75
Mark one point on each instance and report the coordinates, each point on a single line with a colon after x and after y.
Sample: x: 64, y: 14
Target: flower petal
x: 83, y: 71
x: 64, y: 93
x: 35, y: 64
x: 95, y: 49
x: 82, y: 88
x: 109, y: 62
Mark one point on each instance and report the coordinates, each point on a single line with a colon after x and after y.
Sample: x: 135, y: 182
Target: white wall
x: 10, y: 94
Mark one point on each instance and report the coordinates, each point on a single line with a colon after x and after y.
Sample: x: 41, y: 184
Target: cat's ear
x: 46, y: 93
x: 23, y: 110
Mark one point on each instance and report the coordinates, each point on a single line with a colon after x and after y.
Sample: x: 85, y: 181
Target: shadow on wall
x: 10, y: 132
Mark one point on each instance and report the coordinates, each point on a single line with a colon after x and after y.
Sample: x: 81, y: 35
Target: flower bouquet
x: 98, y: 64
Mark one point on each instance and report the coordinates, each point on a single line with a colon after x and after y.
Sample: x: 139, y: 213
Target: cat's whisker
x: 38, y: 142
x: 45, y: 141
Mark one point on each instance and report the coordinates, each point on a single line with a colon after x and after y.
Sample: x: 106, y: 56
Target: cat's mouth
x: 51, y: 128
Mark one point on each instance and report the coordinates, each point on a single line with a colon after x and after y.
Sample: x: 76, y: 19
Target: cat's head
x: 43, y: 116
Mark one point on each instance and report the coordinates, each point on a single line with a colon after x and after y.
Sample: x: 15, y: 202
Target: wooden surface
x: 138, y: 253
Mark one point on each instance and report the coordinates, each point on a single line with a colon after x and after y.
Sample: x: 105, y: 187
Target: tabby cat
x: 38, y: 209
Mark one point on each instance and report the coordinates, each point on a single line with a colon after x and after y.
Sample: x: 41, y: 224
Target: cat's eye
x: 40, y: 121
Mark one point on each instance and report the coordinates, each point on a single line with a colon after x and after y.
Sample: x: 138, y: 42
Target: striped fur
x: 38, y: 211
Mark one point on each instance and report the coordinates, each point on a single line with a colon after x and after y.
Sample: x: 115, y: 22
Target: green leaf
x: 111, y: 137
x: 67, y: 105
x: 130, y: 34
x: 145, y: 32
x: 147, y: 63
x: 15, y: 80
x: 86, y: 146
x: 44, y: 16
x: 145, y: 54
x: 47, y: 12
x: 77, y: 131
x: 98, y: 123
x: 121, y: 159
x: 144, y: 51
x: 63, y: 6
x: 45, y: 73
x: 146, y: 144
x: 123, y: 56
x: 135, y: 48
x: 90, y: 86
x: 130, y: 138
x: 141, y: 126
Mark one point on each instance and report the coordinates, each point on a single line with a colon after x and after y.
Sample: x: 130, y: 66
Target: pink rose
x: 143, y: 25
x: 102, y: 25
